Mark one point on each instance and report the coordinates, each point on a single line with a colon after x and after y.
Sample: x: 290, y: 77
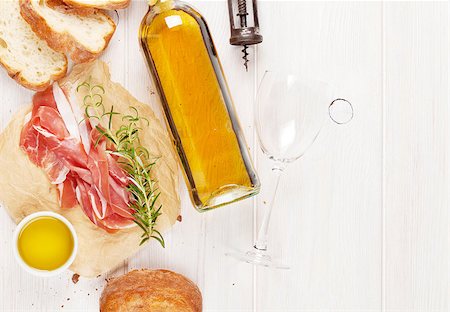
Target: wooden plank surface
x: 362, y: 217
x: 416, y: 157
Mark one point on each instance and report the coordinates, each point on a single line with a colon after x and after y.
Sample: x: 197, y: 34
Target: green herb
x: 132, y: 156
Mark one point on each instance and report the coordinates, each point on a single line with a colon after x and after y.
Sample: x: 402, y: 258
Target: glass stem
x: 261, y: 242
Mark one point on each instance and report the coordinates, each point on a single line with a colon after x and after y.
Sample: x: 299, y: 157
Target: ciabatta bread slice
x: 82, y: 36
x: 99, y: 4
x: 27, y: 58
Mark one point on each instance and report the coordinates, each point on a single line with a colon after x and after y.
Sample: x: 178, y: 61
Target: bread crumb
x: 179, y: 218
x: 75, y: 278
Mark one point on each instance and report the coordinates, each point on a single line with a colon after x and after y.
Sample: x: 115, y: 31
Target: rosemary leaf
x: 132, y: 157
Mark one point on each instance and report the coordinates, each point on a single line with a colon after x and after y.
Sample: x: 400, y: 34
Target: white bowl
x: 35, y: 271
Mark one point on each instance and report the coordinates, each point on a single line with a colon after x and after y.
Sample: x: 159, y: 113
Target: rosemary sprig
x: 132, y: 156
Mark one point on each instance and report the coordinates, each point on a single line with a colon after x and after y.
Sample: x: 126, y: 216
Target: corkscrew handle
x: 244, y: 35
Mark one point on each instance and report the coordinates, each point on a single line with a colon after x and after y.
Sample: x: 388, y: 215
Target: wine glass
x: 289, y: 116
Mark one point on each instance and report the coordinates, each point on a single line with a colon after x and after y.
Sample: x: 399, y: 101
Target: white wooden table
x: 362, y: 217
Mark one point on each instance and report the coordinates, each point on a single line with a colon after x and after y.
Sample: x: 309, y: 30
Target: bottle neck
x: 160, y: 2
x: 161, y: 5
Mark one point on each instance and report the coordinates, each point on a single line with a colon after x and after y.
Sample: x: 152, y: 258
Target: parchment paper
x: 24, y: 188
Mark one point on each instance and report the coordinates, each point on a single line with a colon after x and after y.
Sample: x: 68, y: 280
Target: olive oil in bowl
x: 46, y: 243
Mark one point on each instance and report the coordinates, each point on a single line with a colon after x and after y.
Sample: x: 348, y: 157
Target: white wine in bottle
x: 197, y: 103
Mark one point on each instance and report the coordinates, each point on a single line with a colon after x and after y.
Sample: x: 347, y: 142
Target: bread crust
x: 62, y: 42
x: 20, y: 79
x: 61, y: 6
x: 111, y: 6
x: 151, y: 290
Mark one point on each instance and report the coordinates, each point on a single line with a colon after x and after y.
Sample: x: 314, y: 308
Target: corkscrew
x: 244, y: 35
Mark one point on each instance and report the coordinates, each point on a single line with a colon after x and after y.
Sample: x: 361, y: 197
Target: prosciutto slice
x: 84, y: 173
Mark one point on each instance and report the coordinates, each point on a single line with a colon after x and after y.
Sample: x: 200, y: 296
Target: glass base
x: 258, y: 257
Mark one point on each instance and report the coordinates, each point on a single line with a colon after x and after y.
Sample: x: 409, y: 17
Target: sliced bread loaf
x: 27, y: 58
x: 82, y: 36
x: 99, y: 4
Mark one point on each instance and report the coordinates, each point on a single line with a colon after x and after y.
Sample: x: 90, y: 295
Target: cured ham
x: 76, y: 161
